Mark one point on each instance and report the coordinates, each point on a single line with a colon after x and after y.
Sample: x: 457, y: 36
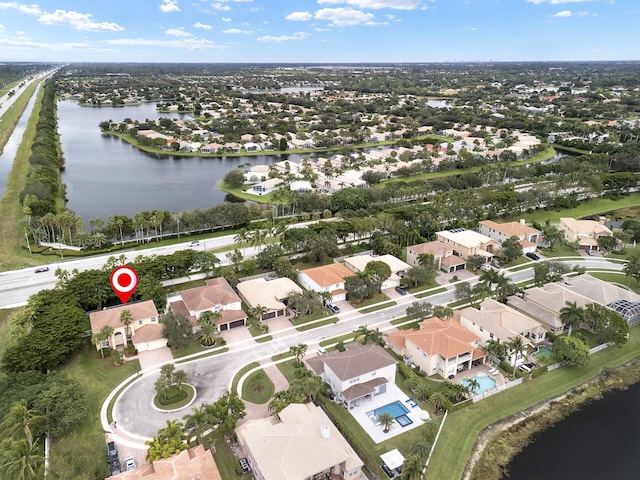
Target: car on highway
x: 195, y: 243
x: 42, y: 269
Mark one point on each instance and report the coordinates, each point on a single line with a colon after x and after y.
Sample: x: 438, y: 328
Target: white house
x: 326, y: 278
x: 398, y: 268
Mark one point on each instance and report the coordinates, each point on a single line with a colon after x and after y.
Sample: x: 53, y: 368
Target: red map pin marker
x: 124, y: 281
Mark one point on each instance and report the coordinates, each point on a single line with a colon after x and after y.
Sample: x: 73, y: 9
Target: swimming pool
x: 486, y: 383
x: 543, y: 352
x: 396, y: 409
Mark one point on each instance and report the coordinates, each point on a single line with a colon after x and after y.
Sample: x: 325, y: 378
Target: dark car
x: 387, y: 470
x: 495, y: 264
x: 112, y: 451
x: 401, y: 290
x: 42, y: 269
x: 334, y: 308
x: 114, y: 467
x: 532, y: 256
x: 245, y: 465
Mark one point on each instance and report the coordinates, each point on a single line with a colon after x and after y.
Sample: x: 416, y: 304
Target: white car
x: 129, y: 464
x: 195, y: 243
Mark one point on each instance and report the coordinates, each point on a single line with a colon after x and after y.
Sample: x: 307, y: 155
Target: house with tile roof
x: 496, y: 321
x: 191, y: 464
x: 439, y: 346
x: 358, y: 372
x: 358, y: 263
x: 301, y: 444
x: 326, y: 278
x: 585, y: 232
x: 216, y: 296
x: 528, y: 236
x: 270, y: 293
x: 467, y: 242
x: 443, y: 256
x: 145, y: 330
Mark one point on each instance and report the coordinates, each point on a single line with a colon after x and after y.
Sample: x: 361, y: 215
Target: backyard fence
x: 493, y: 391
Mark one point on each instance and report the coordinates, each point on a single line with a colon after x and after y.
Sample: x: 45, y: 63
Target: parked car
x: 401, y: 290
x: 333, y: 308
x: 590, y: 253
x: 496, y: 264
x: 114, y: 467
x: 321, y: 351
x: 387, y: 470
x: 129, y: 464
x: 532, y: 256
x: 42, y: 269
x: 112, y: 451
x: 245, y: 465
x: 525, y: 368
x: 486, y: 267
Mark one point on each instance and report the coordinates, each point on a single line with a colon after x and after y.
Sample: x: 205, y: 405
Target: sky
x: 319, y: 31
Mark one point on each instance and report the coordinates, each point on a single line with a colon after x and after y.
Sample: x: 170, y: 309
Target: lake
x: 601, y: 440
x: 105, y: 175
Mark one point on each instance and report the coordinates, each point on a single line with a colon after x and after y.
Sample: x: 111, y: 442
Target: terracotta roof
x: 327, y: 275
x: 111, y: 316
x: 453, y: 261
x: 435, y: 336
x: 181, y: 309
x: 433, y: 248
x: 216, y: 292
x: 193, y: 464
x: 147, y: 333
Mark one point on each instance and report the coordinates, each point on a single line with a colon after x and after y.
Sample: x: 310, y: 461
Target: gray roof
x: 356, y: 360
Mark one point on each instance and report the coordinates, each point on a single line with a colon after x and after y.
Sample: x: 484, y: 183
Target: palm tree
x: 443, y: 311
x: 489, y: 277
x: 385, y: 419
x: 179, y: 377
x: 438, y: 400
x: 504, y: 288
x: 162, y: 385
x: 571, y: 314
x: 472, y: 385
x: 207, y: 334
x: 326, y: 298
x: 412, y: 467
x: 100, y: 337
x: 259, y: 312
x: 298, y: 351
x: 632, y: 269
x: 517, y: 347
x: 361, y: 334
x: 20, y: 460
x: 19, y: 423
x: 421, y: 448
x: 127, y: 319
x: 422, y: 391
x: 198, y: 422
x: 98, y: 239
x: 243, y: 236
x: 495, y: 348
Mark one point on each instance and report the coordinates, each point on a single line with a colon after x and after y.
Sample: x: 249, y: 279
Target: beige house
x: 439, y: 346
x: 271, y: 294
x: 585, y: 232
x: 145, y: 331
x: 442, y: 255
x: 398, y: 268
x: 467, y: 242
x: 496, y: 321
x: 216, y: 296
x: 302, y: 444
x: 194, y: 463
x: 528, y: 236
x: 326, y: 278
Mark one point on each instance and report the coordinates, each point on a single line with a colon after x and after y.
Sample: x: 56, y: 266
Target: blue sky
x: 319, y: 30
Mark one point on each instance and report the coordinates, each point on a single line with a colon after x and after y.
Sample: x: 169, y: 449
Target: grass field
x: 463, y: 426
x: 12, y: 226
x: 258, y: 388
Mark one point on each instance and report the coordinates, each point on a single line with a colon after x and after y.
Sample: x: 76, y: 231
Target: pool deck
x: 376, y: 432
x: 481, y: 370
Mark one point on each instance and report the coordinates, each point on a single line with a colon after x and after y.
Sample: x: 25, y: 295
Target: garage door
x: 237, y: 323
x: 151, y: 345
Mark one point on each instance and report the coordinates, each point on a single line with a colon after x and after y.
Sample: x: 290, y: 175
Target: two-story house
x: 442, y: 253
x: 528, y: 236
x: 326, y: 278
x: 358, y: 263
x: 144, y: 329
x: 439, y: 346
x: 467, y: 242
x: 585, y: 232
x: 216, y: 296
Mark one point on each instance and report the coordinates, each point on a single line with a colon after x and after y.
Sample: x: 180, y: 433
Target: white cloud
x: 1, y: 27
x: 178, y: 32
x: 377, y: 4
x: 225, y: 19
x: 299, y: 16
x: 564, y: 13
x: 557, y: 2
x: 237, y: 31
x: 169, y: 6
x: 187, y: 43
x: 202, y: 25
x: 79, y: 21
x: 340, y: 17
x: 28, y: 9
x: 221, y: 7
x: 283, y: 38
x: 21, y: 43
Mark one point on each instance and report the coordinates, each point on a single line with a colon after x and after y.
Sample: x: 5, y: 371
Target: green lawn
x: 224, y: 457
x: 258, y: 388
x: 377, y: 298
x: 309, y: 326
x: 241, y: 372
x: 592, y: 207
x: 463, y: 426
x: 310, y: 318
x: 382, y: 306
x: 174, y: 399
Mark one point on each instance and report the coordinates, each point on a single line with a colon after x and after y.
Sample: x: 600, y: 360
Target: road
x: 212, y: 376
x: 6, y: 101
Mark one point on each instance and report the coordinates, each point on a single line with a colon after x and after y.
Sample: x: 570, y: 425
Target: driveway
x: 151, y: 358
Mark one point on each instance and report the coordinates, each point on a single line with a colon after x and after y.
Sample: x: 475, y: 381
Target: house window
x: 105, y: 344
x: 491, y: 335
x: 153, y: 319
x: 139, y: 322
x: 481, y: 329
x: 373, y: 374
